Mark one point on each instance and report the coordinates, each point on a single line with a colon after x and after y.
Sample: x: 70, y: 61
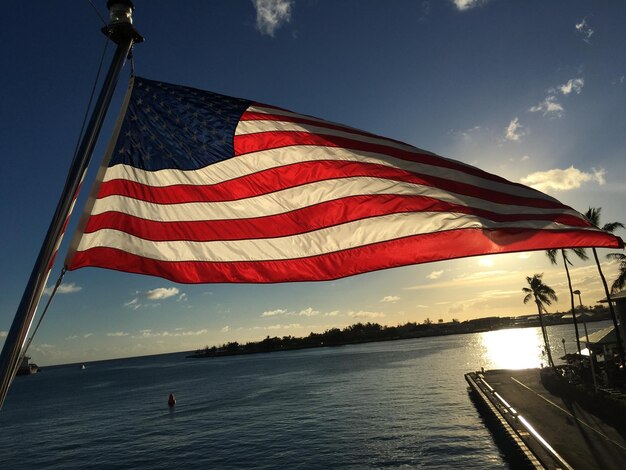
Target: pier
x: 541, y: 430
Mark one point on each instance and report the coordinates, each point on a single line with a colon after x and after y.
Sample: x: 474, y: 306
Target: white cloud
x: 584, y: 30
x: 226, y: 329
x: 64, y: 288
x: 457, y: 308
x: 71, y: 337
x: 525, y: 158
x: 435, y: 274
x: 159, y: 293
x: 390, y: 298
x: 132, y: 303
x: 598, y: 175
x: 289, y: 326
x: 118, y: 334
x: 468, y: 134
x: 192, y: 332
x: 162, y: 293
x: 87, y: 335
x: 161, y: 334
x: 574, y: 85
x: 467, y: 4
x: 366, y: 315
x: 3, y: 334
x: 514, y: 130
x: 549, y: 107
x: 273, y: 313
x: 271, y: 14
x: 307, y: 312
x: 562, y: 180
x: 486, y: 261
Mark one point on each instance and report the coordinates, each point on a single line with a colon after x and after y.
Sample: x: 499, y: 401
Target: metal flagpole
x: 121, y: 31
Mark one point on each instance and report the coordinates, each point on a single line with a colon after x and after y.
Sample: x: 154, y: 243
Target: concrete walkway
x: 583, y: 440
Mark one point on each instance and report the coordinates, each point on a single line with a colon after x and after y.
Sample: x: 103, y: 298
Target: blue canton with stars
x: 176, y: 127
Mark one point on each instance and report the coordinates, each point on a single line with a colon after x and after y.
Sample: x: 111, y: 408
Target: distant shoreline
x: 360, y: 333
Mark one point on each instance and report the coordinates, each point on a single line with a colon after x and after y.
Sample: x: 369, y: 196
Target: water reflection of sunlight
x: 512, y: 349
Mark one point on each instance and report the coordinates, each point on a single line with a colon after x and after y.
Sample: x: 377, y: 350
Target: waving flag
x: 201, y: 187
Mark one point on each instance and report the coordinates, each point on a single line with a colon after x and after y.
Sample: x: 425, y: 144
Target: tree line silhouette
x: 370, y: 332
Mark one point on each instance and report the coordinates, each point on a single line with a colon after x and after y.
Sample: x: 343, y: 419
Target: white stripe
x: 296, y: 198
x: 252, y: 163
x: 255, y: 127
x: 327, y: 240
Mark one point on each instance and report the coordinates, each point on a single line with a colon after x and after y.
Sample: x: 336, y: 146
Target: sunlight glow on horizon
x: 513, y: 349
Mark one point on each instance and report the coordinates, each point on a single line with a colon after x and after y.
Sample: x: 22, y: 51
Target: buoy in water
x: 171, y: 401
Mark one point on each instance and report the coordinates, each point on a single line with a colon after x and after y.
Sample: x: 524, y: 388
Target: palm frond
x: 612, y: 226
x: 620, y: 281
x: 551, y: 254
x: 543, y: 294
x: 581, y: 253
x: 593, y: 215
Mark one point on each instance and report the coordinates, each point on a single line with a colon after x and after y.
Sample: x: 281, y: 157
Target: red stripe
x: 411, y: 250
x: 300, y: 221
x: 297, y: 174
x: 250, y: 143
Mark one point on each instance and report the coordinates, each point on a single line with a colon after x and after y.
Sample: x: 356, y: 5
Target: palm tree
x: 593, y: 216
x: 543, y: 295
x: 620, y: 282
x: 582, y: 254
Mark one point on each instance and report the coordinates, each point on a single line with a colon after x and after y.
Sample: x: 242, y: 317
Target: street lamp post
x: 577, y: 292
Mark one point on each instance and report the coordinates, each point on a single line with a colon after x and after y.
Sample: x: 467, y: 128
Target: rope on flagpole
x: 91, y: 97
x: 97, y: 12
x: 132, y: 62
x: 43, y: 314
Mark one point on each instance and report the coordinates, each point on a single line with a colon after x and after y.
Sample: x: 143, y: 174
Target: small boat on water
x: 82, y: 367
x: 26, y: 368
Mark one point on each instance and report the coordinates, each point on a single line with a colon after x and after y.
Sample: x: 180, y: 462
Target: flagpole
x: 121, y: 31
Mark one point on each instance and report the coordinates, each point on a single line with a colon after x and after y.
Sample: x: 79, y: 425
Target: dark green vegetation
x: 369, y: 332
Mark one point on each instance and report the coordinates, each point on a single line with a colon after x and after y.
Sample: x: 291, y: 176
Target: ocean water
x: 396, y: 404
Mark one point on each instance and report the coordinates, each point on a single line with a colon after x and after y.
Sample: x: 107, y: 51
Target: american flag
x: 201, y: 187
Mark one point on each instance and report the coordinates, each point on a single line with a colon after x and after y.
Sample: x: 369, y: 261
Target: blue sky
x: 533, y: 91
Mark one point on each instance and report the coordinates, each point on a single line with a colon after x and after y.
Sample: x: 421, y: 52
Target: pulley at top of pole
x: 120, y: 28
